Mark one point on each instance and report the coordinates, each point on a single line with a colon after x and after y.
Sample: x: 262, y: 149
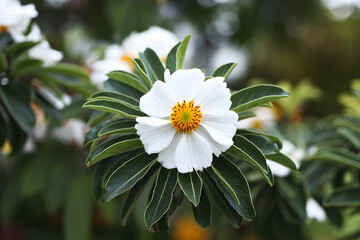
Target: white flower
x: 73, y: 132
x: 189, y: 120
x: 14, y: 17
x: 117, y: 57
x: 315, y: 211
x: 265, y: 117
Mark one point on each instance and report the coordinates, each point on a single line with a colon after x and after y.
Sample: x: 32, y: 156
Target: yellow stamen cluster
x: 185, y: 116
x: 3, y: 29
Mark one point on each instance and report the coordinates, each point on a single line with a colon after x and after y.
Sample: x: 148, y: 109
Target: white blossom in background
x: 117, y: 56
x: 189, y: 120
x: 15, y: 18
x: 265, y: 117
x: 72, y: 132
x: 315, y: 211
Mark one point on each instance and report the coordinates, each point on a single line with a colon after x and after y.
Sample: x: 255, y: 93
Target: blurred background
x: 271, y: 40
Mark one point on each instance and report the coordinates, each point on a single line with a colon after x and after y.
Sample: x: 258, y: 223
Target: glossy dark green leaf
x: 3, y: 62
x: 140, y: 70
x: 224, y: 70
x: 116, y: 86
x: 191, y: 185
x: 93, y: 133
x: 265, y: 145
x: 17, y: 49
x: 135, y: 192
x: 254, y: 96
x: 247, y: 131
x: 112, y: 147
x: 181, y: 52
x: 128, y: 79
x: 344, y: 197
x: 153, y: 65
x: 68, y: 69
x: 2, y: 129
x: 233, y: 184
x: 245, y: 115
x: 114, y: 106
x: 161, y: 196
x: 16, y: 136
x: 171, y: 59
x: 78, y: 210
x: 352, y: 134
x: 25, y: 66
x: 18, y: 107
x: 230, y: 213
x: 202, y: 213
x: 124, y: 177
x: 339, y: 155
x: 116, y: 95
x: 282, y: 159
x: 121, y: 126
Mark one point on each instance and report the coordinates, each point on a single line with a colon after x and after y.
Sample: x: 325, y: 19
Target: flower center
x: 185, y: 116
x: 126, y: 58
x: 3, y: 29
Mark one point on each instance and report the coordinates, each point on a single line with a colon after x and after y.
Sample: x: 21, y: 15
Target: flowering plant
x: 180, y: 126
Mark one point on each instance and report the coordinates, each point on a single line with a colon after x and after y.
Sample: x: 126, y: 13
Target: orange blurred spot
x: 39, y: 114
x: 126, y: 58
x: 3, y: 29
x: 186, y: 228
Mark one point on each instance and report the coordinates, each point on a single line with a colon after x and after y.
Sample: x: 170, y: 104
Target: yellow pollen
x: 185, y: 116
x: 3, y: 29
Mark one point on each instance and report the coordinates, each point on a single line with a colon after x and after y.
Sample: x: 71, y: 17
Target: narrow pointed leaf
x: 282, y: 159
x: 124, y: 177
x: 265, y: 145
x: 344, y: 197
x: 116, y: 86
x: 230, y: 213
x: 247, y: 131
x: 352, y: 134
x: 161, y: 196
x: 153, y: 65
x: 25, y: 66
x: 254, y: 96
x: 17, y: 49
x: 93, y: 133
x: 112, y: 147
x: 117, y: 96
x: 191, y: 185
x: 140, y: 70
x: 339, y: 155
x: 224, y: 70
x: 181, y: 51
x: 202, y: 213
x: 121, y: 126
x: 128, y: 79
x: 171, y: 59
x: 68, y: 69
x: 3, y: 62
x: 233, y: 184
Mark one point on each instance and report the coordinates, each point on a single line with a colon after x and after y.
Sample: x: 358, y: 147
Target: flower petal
x: 157, y: 137
x: 222, y: 127
x: 193, y: 152
x: 278, y: 169
x: 186, y: 84
x: 151, y: 121
x: 159, y: 101
x: 214, y: 96
x: 167, y: 156
x: 216, y: 147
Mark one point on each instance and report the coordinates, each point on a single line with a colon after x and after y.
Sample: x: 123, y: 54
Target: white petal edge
x: 315, y: 211
x: 278, y: 169
x: 159, y: 101
x: 155, y: 138
x: 214, y: 96
x: 167, y: 156
x: 192, y: 153
x: 186, y: 84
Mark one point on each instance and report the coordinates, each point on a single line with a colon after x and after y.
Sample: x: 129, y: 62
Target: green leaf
x: 116, y: 86
x: 230, y: 213
x: 153, y: 65
x: 68, y: 69
x: 93, y: 133
x: 10, y: 200
x: 135, y: 192
x: 282, y: 159
x: 96, y: 117
x: 181, y: 51
x: 352, y: 134
x: 24, y: 66
x: 202, y: 213
x: 140, y: 70
x: 114, y: 106
x: 121, y: 126
x: 246, y: 151
x: 191, y: 185
x: 224, y: 70
x: 245, y: 115
x: 3, y: 62
x: 78, y: 210
x: 254, y: 96
x: 128, y: 79
x: 171, y: 59
x: 18, y: 107
x: 17, y: 49
x: 344, y: 197
x: 233, y: 184
x: 339, y: 155
x: 112, y: 147
x: 117, y: 96
x: 161, y: 196
x: 248, y: 131
x: 124, y: 177
x: 265, y: 145
x: 2, y: 129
